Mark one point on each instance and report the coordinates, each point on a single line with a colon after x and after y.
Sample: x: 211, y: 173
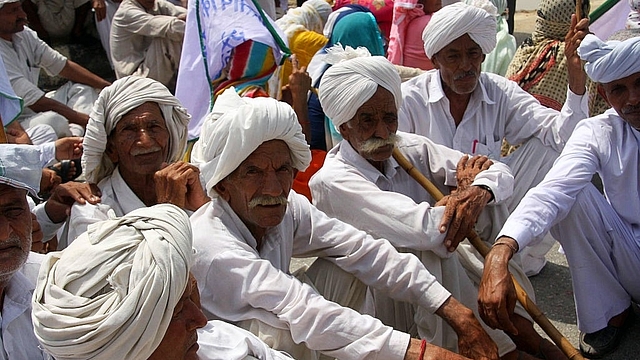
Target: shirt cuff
x: 398, y: 345
x: 517, y: 231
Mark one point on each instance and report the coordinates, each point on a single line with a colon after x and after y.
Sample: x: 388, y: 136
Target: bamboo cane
x: 579, y: 9
x: 475, y: 240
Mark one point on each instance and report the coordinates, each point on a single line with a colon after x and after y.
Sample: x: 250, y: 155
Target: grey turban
x: 21, y: 167
x: 115, y: 101
x: 236, y: 127
x: 455, y: 20
x: 347, y: 85
x: 112, y: 292
x: 610, y: 61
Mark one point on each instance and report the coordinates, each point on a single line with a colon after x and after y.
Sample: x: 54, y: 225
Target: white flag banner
x: 611, y: 18
x: 214, y: 29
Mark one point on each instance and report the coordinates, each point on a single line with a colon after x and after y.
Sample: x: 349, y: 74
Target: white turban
x: 21, y: 167
x: 2, y: 2
x: 610, y: 61
x: 455, y: 20
x: 347, y: 85
x: 236, y: 127
x: 112, y: 292
x: 115, y: 101
x: 312, y: 15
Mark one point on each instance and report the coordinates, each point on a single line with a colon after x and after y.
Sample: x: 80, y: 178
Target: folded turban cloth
x: 236, y: 127
x: 455, y: 20
x: 347, y: 85
x: 2, y: 2
x: 112, y: 292
x: 312, y: 15
x: 117, y: 100
x: 21, y: 167
x: 609, y: 61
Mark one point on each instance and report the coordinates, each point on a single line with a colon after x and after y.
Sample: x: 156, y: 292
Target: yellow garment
x: 304, y: 44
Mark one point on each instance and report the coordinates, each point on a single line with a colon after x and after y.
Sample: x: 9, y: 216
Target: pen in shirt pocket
x: 473, y: 148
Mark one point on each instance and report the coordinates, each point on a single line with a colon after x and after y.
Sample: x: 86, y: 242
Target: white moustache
x: 267, y: 200
x: 136, y: 152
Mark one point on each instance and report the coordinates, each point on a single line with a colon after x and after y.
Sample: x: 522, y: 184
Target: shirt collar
x: 127, y: 199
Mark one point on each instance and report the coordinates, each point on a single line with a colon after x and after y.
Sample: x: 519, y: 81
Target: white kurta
x: 394, y: 206
x: 601, y: 238
x: 58, y: 16
x: 237, y: 282
x: 147, y: 43
x: 18, y: 340
x: 24, y: 56
x: 498, y: 109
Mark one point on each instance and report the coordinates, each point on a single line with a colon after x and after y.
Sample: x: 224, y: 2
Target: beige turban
x: 115, y: 101
x: 455, y: 20
x: 236, y: 127
x: 21, y: 167
x: 609, y: 61
x: 347, y: 85
x: 112, y: 292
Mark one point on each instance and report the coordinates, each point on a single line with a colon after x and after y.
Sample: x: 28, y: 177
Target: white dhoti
x: 104, y: 27
x: 529, y: 164
x: 604, y: 259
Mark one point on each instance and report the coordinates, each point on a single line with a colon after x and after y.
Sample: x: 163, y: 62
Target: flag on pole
x: 608, y: 18
x: 214, y: 29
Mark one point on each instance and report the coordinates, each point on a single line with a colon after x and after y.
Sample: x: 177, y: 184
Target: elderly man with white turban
x: 362, y: 96
x: 20, y: 172
x: 600, y: 235
x: 249, y: 151
x: 136, y: 128
x: 459, y: 106
x: 123, y: 290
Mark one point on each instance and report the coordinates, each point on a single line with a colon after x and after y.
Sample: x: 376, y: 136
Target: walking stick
x: 483, y: 249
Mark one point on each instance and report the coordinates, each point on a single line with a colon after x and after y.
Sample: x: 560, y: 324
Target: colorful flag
x: 214, y: 29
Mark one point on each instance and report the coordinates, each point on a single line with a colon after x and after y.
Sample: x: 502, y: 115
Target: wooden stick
x: 579, y: 9
x: 483, y: 249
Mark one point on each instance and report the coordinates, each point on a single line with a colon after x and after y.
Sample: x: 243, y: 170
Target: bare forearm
x: 46, y: 104
x: 79, y: 74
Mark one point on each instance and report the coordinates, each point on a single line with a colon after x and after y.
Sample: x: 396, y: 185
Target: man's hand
x: 36, y: 235
x: 179, y: 184
x: 497, y: 295
x: 16, y: 134
x: 473, y: 341
x: 69, y: 148
x: 58, y: 207
x: 100, y: 9
x: 575, y: 69
x: 295, y: 94
x: 49, y: 181
x: 462, y: 209
x: 467, y: 169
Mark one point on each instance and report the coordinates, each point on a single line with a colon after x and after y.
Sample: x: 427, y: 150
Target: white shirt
x: 133, y: 28
x: 396, y: 206
x: 605, y: 144
x: 18, y: 340
x: 24, y: 56
x: 117, y: 200
x: 238, y: 282
x: 498, y: 109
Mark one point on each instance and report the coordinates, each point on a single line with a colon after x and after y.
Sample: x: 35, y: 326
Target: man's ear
x: 435, y: 62
x: 221, y: 189
x: 344, y: 131
x: 484, y: 56
x: 111, y: 151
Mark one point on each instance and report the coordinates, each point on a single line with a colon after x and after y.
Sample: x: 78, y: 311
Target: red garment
x: 301, y: 182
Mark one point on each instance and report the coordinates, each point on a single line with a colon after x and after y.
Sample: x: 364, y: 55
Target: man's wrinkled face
x: 180, y: 342
x: 139, y: 144
x: 372, y: 130
x: 257, y: 190
x: 15, y: 230
x: 624, y: 96
x: 12, y: 19
x: 460, y: 64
